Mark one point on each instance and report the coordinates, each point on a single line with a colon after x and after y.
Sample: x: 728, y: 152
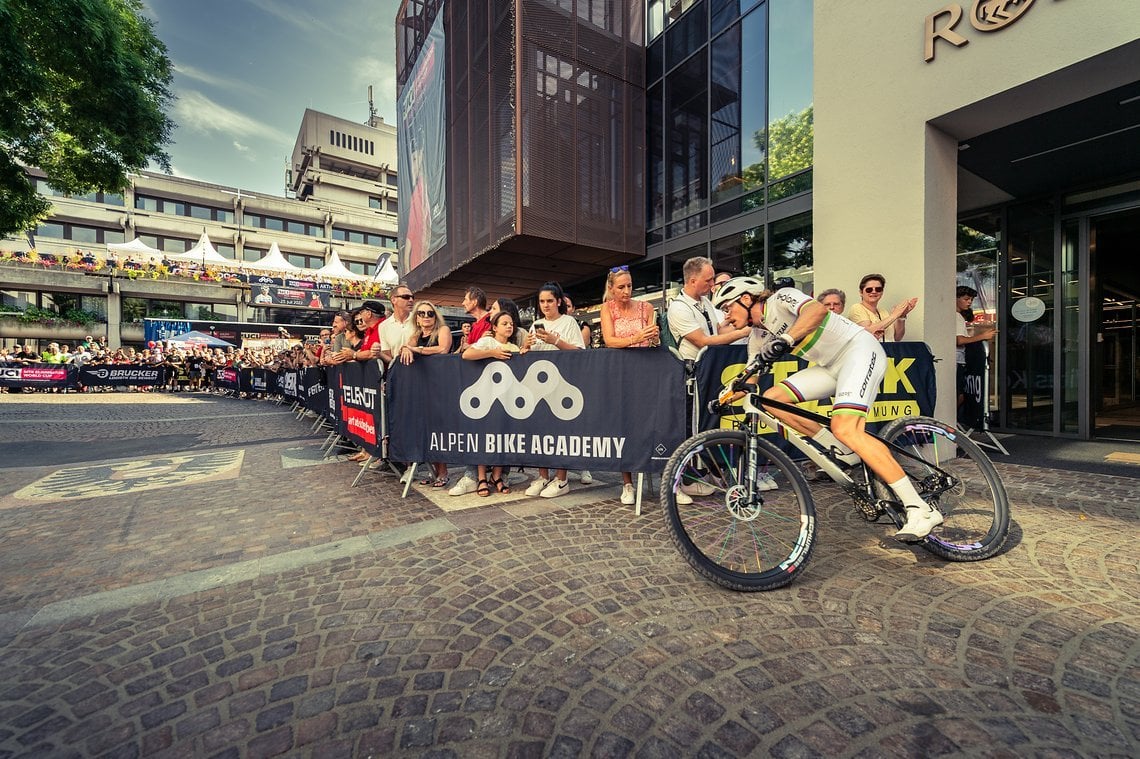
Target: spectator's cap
x: 374, y: 306
x: 88, y: 337
x: 781, y: 282
x: 966, y: 290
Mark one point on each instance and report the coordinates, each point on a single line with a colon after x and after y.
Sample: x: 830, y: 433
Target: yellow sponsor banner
x: 896, y: 382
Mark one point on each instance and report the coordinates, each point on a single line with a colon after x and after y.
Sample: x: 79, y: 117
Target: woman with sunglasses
x: 430, y: 334
x: 866, y: 312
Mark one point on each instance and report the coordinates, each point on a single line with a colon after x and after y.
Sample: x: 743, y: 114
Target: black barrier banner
x: 357, y: 385
x: 288, y: 383
x: 312, y: 387
x: 226, y: 377
x: 908, y: 387
x: 971, y: 384
x: 112, y: 375
x: 253, y: 380
x: 38, y: 376
x: 609, y: 410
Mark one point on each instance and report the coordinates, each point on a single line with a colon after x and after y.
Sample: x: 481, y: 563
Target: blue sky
x: 246, y: 70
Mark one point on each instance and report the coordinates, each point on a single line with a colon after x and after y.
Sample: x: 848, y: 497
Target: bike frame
x: 755, y: 412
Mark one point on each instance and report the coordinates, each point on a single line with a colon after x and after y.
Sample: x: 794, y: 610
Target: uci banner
x: 609, y: 410
x: 357, y: 385
x: 39, y: 376
x: 118, y: 375
x: 908, y: 388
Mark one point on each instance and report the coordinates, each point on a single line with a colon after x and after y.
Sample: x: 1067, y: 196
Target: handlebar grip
x: 714, y: 408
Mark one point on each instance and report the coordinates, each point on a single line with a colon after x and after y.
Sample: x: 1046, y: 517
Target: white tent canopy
x: 274, y: 261
x: 204, y: 252
x: 335, y: 269
x: 387, y: 274
x: 136, y: 248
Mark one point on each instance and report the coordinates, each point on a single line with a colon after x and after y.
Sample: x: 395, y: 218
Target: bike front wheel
x: 741, y: 534
x: 956, y: 477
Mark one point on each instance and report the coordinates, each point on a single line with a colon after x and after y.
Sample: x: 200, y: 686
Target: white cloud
x: 198, y: 113
x: 223, y: 83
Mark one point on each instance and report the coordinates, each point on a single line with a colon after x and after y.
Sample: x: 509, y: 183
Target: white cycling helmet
x: 734, y: 288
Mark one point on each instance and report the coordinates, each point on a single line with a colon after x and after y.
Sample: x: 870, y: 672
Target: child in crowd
x: 497, y: 344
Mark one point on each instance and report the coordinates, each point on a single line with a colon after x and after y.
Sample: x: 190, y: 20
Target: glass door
x: 1116, y: 294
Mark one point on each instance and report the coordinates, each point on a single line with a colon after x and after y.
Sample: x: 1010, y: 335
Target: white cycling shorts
x: 852, y: 377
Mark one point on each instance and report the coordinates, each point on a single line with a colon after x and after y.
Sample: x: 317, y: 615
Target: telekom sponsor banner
x: 227, y: 378
x: 38, y: 376
x: 358, y: 395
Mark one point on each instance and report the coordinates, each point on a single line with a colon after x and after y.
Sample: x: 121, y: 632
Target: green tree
x: 84, y: 86
x: 788, y: 144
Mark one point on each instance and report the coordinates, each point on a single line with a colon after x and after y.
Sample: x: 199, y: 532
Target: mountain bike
x: 747, y: 520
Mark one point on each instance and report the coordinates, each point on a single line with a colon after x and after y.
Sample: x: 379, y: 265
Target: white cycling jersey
x: 850, y: 362
x: 833, y: 334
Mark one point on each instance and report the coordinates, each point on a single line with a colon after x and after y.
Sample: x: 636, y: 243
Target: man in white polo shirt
x: 397, y: 328
x: 692, y: 319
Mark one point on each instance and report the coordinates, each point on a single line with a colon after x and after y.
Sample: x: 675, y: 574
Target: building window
x: 79, y: 233
x: 393, y: 206
x: 377, y: 203
x: 391, y: 179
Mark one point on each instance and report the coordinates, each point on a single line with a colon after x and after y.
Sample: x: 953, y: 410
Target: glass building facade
x: 729, y: 136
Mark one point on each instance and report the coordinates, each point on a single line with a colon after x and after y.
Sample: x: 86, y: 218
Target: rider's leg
x: 921, y: 518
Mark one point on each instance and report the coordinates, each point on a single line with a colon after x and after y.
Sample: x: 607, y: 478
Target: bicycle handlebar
x: 738, y: 384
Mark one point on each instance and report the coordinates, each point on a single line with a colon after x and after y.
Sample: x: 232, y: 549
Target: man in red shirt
x: 372, y: 312
x: 475, y: 304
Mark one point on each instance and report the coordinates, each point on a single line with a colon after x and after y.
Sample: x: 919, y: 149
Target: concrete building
x: 338, y: 196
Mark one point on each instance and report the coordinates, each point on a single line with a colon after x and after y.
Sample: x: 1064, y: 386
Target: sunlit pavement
x: 184, y: 575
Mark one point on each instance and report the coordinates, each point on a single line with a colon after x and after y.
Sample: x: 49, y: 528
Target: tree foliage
x: 84, y: 86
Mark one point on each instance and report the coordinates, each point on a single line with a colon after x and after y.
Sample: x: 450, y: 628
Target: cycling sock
x: 904, y: 489
x: 829, y: 442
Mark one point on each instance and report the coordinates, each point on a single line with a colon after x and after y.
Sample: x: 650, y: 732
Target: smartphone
x: 538, y: 325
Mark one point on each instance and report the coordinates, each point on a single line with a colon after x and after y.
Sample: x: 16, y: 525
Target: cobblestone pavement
x: 280, y: 612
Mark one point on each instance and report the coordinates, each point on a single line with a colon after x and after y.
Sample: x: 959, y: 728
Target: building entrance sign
x: 985, y: 16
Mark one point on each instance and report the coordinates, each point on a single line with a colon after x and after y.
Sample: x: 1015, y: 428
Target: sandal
x: 441, y: 482
x: 500, y: 486
x: 429, y: 480
x: 483, y: 489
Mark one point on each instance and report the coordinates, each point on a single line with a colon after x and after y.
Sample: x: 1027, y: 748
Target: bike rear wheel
x: 726, y: 535
x: 953, y: 475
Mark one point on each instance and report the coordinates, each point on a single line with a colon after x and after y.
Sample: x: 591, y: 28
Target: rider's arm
x: 698, y: 337
x: 810, y: 316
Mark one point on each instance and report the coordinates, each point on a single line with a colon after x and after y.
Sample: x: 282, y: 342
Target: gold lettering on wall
x: 991, y: 15
x: 934, y: 32
x: 985, y: 16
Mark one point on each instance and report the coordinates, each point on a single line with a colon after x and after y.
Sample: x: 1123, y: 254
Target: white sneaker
x: 920, y: 520
x: 586, y: 478
x: 681, y: 498
x: 628, y: 497
x: 697, y: 488
x: 555, y: 488
x: 537, y: 486
x: 766, y: 482
x: 464, y: 486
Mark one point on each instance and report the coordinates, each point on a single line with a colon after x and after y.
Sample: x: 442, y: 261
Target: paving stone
x: 574, y: 631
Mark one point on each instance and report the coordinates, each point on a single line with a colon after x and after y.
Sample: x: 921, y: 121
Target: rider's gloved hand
x: 714, y: 408
x: 776, y: 346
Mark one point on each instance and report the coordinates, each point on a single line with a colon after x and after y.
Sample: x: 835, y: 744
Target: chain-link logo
x: 543, y: 382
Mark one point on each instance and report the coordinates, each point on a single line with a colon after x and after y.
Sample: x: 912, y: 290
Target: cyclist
x: 849, y: 363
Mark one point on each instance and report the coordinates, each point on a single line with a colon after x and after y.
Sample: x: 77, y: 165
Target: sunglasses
x: 426, y: 314
x: 616, y: 269
x: 872, y: 289
x: 404, y: 297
